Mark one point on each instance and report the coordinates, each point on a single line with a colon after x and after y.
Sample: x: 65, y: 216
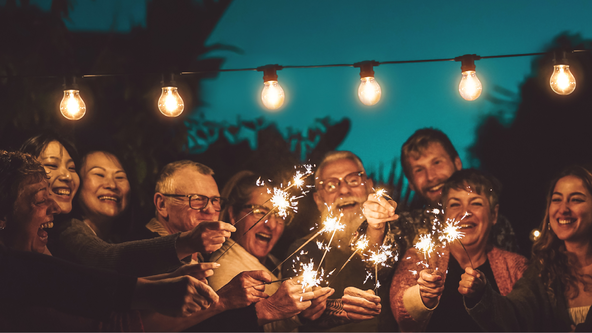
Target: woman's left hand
x: 472, y: 283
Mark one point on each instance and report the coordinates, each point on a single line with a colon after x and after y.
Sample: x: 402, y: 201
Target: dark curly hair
x: 557, y: 264
x: 15, y: 168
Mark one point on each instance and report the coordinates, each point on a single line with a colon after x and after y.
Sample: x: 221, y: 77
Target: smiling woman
x: 427, y: 301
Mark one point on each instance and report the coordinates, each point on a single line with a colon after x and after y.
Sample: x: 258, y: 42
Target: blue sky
x: 311, y: 32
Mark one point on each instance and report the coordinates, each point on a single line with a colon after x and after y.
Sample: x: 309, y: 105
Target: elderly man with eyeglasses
x: 342, y: 187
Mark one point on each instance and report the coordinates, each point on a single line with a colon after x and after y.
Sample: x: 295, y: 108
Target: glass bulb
x: 535, y: 234
x: 369, y: 91
x: 72, y: 106
x: 170, y: 102
x: 562, y: 81
x: 272, y: 95
x: 470, y: 86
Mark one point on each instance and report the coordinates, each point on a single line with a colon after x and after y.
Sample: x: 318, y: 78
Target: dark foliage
x: 548, y: 132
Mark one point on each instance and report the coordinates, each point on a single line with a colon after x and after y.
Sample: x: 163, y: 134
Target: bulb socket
x: 366, y: 68
x: 168, y: 80
x: 467, y: 62
x: 560, y: 57
x: 70, y: 83
x: 269, y: 72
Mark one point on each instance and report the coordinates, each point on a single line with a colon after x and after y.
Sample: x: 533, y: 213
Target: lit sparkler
x: 361, y: 245
x: 379, y: 257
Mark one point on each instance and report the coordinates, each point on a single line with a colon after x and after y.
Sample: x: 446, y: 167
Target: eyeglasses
x: 259, y: 211
x: 198, y: 201
x: 331, y: 185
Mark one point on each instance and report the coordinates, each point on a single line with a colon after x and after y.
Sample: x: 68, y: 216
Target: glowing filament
x: 470, y: 86
x: 272, y: 95
x: 170, y: 102
x: 369, y: 91
x: 72, y: 106
x: 562, y: 81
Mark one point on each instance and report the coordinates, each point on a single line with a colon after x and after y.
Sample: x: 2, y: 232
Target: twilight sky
x: 312, y: 32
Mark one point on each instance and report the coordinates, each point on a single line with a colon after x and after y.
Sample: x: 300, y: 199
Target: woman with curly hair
x: 555, y: 293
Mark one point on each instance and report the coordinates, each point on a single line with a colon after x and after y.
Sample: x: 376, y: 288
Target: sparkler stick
x: 361, y: 245
x: 270, y: 282
x: 326, y: 250
x: 379, y: 258
x: 298, y: 249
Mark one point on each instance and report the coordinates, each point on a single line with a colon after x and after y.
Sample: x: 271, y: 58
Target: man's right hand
x: 288, y: 301
x: 244, y: 289
x: 379, y: 210
x: 206, y: 237
x: 360, y: 304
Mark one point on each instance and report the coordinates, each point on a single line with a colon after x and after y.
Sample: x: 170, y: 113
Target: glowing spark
x: 260, y: 182
x: 282, y: 201
x: 362, y: 243
x: 331, y: 223
x: 451, y: 232
x: 382, y: 193
x: 380, y: 257
x: 425, y: 245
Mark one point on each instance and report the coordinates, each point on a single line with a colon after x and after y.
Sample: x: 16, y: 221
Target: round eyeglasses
x: 353, y: 179
x: 258, y: 212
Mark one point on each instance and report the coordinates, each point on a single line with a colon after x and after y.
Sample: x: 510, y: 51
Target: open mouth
x: 436, y: 188
x: 565, y: 221
x: 465, y: 226
x: 64, y: 191
x: 263, y: 237
x: 347, y: 205
x: 108, y: 198
x: 41, y: 231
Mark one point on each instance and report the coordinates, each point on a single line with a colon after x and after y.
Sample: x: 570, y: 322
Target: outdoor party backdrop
x: 518, y: 129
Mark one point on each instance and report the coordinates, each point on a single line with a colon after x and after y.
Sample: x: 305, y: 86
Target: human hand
x: 288, y: 301
x: 207, y: 237
x: 472, y: 283
x: 199, y: 271
x: 318, y: 303
x: 244, y: 289
x: 359, y: 304
x: 431, y: 286
x: 379, y: 210
x: 181, y: 296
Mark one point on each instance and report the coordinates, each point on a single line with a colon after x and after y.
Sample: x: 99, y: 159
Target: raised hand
x: 379, y: 210
x: 288, y: 301
x: 244, y: 289
x: 206, y: 237
x: 472, y: 283
x: 431, y: 286
x: 359, y: 304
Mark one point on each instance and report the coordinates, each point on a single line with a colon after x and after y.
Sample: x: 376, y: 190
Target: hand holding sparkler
x: 472, y: 283
x: 359, y: 304
x: 318, y: 303
x: 379, y: 208
x: 431, y: 286
x: 206, y: 237
x: 244, y: 289
x: 288, y: 301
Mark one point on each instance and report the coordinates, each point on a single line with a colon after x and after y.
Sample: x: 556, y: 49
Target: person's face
x: 63, y: 179
x: 344, y: 197
x: 473, y: 214
x: 570, y: 210
x: 181, y: 217
x: 34, y: 209
x: 262, y: 238
x: 430, y: 170
x: 105, y: 189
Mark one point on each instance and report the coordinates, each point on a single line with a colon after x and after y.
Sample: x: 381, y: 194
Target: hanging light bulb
x: 272, y: 94
x: 369, y: 91
x: 470, y: 86
x: 72, y: 106
x: 562, y: 80
x: 170, y: 102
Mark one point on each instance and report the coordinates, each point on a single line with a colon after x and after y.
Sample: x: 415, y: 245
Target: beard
x: 350, y: 209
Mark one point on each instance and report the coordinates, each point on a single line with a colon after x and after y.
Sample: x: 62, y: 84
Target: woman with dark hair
x: 555, y: 293
x: 428, y: 300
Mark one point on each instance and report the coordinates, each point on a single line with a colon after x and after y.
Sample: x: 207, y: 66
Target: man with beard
x: 428, y: 159
x: 342, y: 187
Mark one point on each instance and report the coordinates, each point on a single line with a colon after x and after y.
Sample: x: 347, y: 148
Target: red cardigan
x: 507, y: 268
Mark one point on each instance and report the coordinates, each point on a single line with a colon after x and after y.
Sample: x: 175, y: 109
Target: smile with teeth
x: 62, y: 191
x: 466, y: 225
x: 565, y: 221
x: 263, y: 237
x: 436, y: 188
x: 46, y: 225
x: 106, y: 197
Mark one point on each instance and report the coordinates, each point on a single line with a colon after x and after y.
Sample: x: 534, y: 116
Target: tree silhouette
x: 548, y: 132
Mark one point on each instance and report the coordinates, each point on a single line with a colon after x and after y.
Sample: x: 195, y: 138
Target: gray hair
x: 333, y: 156
x: 164, y: 181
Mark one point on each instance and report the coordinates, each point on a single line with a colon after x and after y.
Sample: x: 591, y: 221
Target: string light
x: 470, y: 86
x: 562, y: 80
x: 170, y: 102
x: 272, y: 94
x: 369, y: 91
x: 72, y: 106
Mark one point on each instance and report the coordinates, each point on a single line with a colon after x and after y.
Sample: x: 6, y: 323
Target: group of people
x: 204, y: 262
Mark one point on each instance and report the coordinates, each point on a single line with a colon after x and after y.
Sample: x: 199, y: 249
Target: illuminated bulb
x: 369, y: 91
x: 272, y: 95
x: 562, y: 81
x: 72, y: 106
x: 170, y: 102
x: 534, y: 235
x: 470, y: 86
